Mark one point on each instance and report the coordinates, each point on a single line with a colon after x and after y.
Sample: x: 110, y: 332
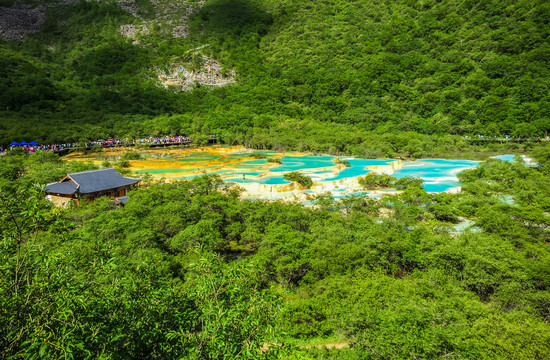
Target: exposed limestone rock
x: 16, y: 24
x: 133, y: 31
x: 20, y: 20
x: 204, y: 72
x: 130, y: 6
x: 180, y: 31
x: 176, y: 14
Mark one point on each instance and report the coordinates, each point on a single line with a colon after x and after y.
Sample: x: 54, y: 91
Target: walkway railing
x: 63, y: 149
x: 477, y: 139
x: 88, y: 147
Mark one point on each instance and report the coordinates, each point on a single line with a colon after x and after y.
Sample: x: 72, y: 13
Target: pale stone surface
x: 133, y: 31
x: 130, y: 6
x: 180, y: 31
x: 183, y: 78
x: 172, y: 14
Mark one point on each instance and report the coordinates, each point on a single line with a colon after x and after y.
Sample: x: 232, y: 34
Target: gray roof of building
x: 99, y: 180
x: 65, y: 188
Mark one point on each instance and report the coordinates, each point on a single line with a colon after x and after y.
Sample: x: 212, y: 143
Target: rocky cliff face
x: 172, y: 15
x: 167, y: 19
x: 24, y: 17
x: 17, y: 22
x: 200, y: 71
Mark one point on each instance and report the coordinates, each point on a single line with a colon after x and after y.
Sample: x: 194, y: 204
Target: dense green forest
x: 368, y: 67
x: 187, y: 270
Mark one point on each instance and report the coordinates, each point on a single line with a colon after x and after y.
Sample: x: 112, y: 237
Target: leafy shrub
x: 407, y: 182
x: 124, y: 164
x: 130, y: 155
x: 274, y: 160
x: 258, y: 155
x: 300, y: 178
x: 374, y: 181
x: 343, y: 162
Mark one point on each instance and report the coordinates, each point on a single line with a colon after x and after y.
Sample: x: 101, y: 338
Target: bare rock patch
x: 133, y: 31
x: 202, y: 71
x: 17, y: 23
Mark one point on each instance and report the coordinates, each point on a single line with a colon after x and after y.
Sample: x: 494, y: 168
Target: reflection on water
x: 263, y: 179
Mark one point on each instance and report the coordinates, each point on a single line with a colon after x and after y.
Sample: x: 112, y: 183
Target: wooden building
x: 89, y: 185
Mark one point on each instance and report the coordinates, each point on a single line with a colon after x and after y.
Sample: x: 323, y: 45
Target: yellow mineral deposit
x: 262, y: 179
x: 386, y: 169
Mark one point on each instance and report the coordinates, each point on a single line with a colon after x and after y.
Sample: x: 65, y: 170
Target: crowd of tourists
x: 33, y: 146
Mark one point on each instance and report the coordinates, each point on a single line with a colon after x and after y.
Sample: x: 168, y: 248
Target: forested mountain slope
x: 88, y: 69
x: 389, y: 278
x: 190, y: 270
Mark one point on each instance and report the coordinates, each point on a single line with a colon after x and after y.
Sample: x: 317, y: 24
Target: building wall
x: 63, y: 202
x: 59, y: 201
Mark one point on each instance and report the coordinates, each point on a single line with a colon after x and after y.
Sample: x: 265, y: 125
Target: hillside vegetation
x: 188, y: 270
x: 432, y: 67
x: 185, y: 270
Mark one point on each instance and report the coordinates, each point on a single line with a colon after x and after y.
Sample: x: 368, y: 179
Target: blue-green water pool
x: 244, y: 167
x: 247, y: 167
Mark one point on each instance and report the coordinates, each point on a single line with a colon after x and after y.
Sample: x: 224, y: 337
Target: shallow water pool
x: 247, y: 167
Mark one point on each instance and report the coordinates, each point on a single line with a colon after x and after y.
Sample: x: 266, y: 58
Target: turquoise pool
x: 243, y: 167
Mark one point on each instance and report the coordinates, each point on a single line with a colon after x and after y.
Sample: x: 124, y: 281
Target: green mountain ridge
x: 458, y: 67
x: 190, y: 269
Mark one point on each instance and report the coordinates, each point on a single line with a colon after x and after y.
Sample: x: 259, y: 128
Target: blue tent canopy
x: 33, y: 143
x: 15, y: 144
x: 24, y: 143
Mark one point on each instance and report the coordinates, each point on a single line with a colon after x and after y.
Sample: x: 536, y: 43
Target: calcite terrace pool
x: 264, y: 179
